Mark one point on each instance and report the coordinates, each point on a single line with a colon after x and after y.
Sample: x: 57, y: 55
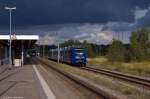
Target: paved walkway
x: 20, y: 83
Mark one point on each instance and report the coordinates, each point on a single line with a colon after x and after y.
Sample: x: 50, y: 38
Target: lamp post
x: 10, y: 10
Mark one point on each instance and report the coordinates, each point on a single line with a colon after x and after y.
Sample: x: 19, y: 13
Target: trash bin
x: 17, y: 62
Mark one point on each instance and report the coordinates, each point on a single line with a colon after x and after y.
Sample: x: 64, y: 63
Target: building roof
x: 20, y: 37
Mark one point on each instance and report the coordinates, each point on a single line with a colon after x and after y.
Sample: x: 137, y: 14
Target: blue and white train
x: 70, y: 55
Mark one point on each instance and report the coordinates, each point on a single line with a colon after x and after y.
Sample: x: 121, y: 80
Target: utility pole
x: 43, y: 50
x: 52, y: 53
x: 10, y: 60
x: 58, y: 55
x: 40, y: 54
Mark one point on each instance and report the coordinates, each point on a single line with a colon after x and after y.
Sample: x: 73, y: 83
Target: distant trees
x: 89, y: 49
x: 70, y: 43
x: 138, y: 49
x: 116, y: 51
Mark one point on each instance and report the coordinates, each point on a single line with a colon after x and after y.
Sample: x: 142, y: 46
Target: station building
x: 20, y: 46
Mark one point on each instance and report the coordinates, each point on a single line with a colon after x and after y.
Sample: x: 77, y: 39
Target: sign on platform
x: 13, y: 37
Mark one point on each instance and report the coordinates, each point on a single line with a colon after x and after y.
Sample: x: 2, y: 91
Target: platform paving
x: 20, y: 83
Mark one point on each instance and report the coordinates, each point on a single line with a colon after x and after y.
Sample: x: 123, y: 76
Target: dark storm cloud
x: 38, y: 12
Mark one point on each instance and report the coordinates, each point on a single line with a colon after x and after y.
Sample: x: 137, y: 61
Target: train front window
x: 79, y: 51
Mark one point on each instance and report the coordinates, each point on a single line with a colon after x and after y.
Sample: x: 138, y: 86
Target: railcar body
x: 71, y: 55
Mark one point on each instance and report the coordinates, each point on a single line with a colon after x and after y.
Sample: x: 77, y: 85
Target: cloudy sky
x: 96, y: 21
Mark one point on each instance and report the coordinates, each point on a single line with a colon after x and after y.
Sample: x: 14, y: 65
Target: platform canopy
x: 27, y: 41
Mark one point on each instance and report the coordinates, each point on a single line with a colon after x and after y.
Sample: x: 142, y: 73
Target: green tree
x: 139, y: 44
x: 89, y: 49
x: 134, y: 45
x: 116, y: 51
x: 70, y: 43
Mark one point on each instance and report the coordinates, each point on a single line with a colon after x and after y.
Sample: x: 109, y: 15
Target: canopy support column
x: 22, y: 54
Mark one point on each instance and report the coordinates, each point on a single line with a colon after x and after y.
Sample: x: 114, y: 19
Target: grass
x: 137, y: 68
x: 110, y: 83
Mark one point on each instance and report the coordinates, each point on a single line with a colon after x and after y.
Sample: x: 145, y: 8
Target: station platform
x: 20, y: 83
x: 36, y: 81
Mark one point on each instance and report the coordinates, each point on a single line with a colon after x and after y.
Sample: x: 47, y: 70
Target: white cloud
x: 47, y: 40
x: 101, y: 37
x: 81, y: 36
x: 140, y: 13
x: 105, y: 36
x: 93, y: 33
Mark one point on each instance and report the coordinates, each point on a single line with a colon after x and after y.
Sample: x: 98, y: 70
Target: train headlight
x: 77, y: 57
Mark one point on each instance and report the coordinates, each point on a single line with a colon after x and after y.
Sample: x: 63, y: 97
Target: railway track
x: 125, y: 77
x: 102, y: 92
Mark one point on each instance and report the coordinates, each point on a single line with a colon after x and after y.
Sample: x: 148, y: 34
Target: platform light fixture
x: 10, y: 11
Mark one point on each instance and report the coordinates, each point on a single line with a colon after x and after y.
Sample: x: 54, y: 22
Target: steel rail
x: 125, y: 77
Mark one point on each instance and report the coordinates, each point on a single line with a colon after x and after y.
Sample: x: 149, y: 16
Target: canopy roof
x: 19, y: 37
x: 27, y: 41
